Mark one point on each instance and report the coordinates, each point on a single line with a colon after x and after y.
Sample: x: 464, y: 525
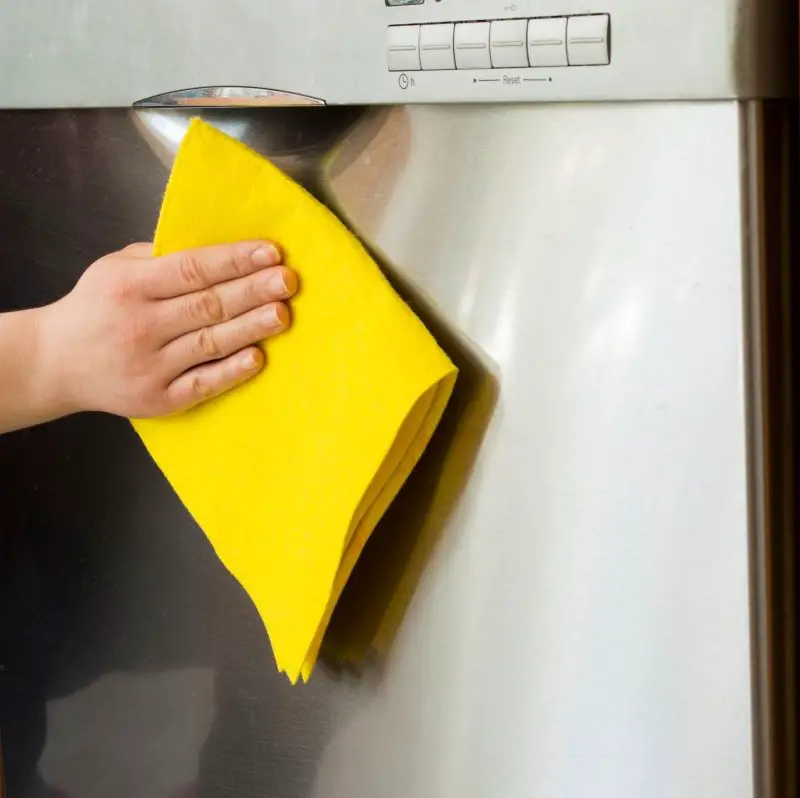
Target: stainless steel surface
x: 101, y: 53
x: 584, y: 630
x: 582, y: 626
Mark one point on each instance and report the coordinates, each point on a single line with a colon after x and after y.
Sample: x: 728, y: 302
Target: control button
x: 472, y: 45
x: 436, y: 46
x: 507, y: 43
x: 587, y: 40
x: 547, y: 42
x: 404, y: 2
x: 402, y: 53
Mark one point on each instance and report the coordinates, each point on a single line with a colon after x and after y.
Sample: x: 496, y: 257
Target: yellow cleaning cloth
x: 289, y: 474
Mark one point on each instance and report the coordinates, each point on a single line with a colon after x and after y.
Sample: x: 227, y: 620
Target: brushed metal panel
x: 582, y: 625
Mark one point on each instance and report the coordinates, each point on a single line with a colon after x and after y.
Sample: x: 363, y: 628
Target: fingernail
x: 275, y: 316
x: 266, y: 255
x: 250, y: 361
x: 290, y: 281
x: 276, y: 284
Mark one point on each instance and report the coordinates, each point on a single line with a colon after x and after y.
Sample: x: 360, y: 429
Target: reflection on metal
x: 363, y: 171
x: 130, y: 722
x: 296, y: 139
x: 595, y: 565
x: 229, y: 96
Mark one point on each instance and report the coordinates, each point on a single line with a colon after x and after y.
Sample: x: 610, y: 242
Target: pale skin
x: 140, y: 336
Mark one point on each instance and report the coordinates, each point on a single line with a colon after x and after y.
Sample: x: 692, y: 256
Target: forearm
x: 28, y: 392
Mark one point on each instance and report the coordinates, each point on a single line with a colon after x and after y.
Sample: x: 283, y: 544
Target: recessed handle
x: 227, y: 97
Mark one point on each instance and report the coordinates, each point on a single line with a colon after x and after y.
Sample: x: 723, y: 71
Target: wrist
x: 50, y: 384
x: 30, y: 388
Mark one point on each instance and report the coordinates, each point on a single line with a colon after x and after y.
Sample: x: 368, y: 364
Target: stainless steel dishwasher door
x: 582, y: 627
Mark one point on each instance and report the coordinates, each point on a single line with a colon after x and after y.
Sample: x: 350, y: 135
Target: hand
x: 141, y: 336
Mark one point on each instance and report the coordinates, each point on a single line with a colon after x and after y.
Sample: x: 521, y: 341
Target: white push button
x: 547, y: 42
x: 402, y: 53
x: 436, y: 46
x: 507, y: 43
x: 587, y: 40
x: 472, y: 45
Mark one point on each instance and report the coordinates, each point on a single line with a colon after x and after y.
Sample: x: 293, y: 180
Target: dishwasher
x: 591, y: 206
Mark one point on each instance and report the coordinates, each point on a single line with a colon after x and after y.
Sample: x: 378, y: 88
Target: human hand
x: 141, y: 336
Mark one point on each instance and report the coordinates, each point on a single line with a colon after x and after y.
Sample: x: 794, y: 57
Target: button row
x: 502, y: 44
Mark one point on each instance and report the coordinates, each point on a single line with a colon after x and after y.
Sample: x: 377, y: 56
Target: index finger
x: 196, y: 269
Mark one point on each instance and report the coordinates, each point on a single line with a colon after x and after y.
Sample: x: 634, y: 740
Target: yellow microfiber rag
x: 289, y: 474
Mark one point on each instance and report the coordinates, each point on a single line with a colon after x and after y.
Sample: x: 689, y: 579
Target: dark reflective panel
x: 131, y: 663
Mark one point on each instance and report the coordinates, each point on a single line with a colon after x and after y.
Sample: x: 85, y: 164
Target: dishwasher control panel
x: 579, y: 50
x: 540, y: 42
x: 102, y: 53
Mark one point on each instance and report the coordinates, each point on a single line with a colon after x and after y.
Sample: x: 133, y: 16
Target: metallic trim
x: 769, y: 352
x: 754, y: 295
x: 226, y: 97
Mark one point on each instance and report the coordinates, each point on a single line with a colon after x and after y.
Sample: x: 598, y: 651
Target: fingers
x: 221, y: 340
x: 220, y: 303
x: 212, y: 379
x: 198, y: 269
